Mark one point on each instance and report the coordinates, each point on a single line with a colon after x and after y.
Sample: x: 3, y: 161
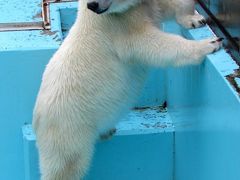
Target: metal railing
x: 225, y: 22
x: 45, y: 24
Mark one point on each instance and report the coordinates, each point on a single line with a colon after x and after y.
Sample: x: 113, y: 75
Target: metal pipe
x: 44, y: 24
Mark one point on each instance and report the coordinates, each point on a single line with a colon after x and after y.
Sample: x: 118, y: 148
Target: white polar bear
x: 97, y: 74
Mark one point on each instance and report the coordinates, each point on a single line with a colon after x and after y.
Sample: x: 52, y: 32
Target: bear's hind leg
x: 66, y: 156
x: 58, y: 170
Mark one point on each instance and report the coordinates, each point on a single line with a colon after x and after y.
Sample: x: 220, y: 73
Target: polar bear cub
x: 98, y: 72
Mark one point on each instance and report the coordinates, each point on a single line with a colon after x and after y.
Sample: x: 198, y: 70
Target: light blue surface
x: 203, y: 106
x: 206, y: 114
x: 138, y: 122
x: 237, y: 79
x: 20, y: 76
x: 142, y: 157
x: 20, y: 11
x: 124, y: 158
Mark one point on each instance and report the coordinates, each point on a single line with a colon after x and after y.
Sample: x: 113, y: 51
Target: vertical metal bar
x: 46, y: 14
x: 219, y: 25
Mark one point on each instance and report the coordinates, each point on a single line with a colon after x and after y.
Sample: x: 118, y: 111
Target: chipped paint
x: 146, y: 120
x: 141, y: 108
x: 28, y: 133
x: 234, y: 80
x: 55, y: 37
x: 38, y: 15
x: 59, y: 40
x: 47, y: 32
x: 159, y: 109
x: 156, y: 125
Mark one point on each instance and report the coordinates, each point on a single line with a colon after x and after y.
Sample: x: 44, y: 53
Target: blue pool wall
x: 206, y: 114
x: 202, y: 103
x: 20, y: 77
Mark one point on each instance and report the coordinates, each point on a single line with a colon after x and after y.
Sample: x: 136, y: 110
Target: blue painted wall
x: 205, y: 110
x: 124, y: 157
x: 20, y: 76
x: 203, y: 105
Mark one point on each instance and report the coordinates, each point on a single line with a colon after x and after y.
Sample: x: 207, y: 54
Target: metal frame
x: 231, y: 43
x: 45, y: 24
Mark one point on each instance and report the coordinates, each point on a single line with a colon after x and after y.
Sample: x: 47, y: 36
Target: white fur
x: 98, y: 73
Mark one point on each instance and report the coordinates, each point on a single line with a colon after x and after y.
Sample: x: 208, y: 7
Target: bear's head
x: 110, y: 6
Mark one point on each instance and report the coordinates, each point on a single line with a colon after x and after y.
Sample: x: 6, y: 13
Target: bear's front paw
x: 205, y: 47
x: 212, y: 45
x: 192, y: 21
